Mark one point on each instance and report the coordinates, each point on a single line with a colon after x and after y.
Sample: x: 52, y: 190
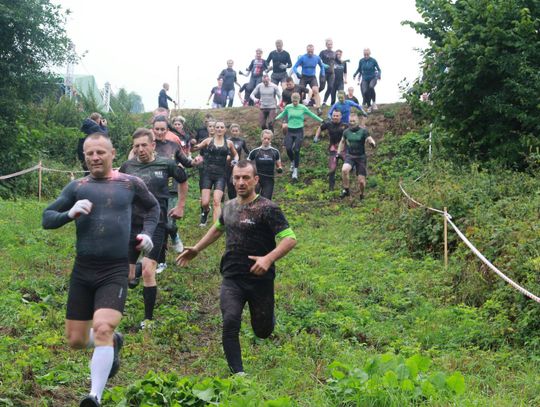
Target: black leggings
x: 266, y: 186
x: 293, y: 144
x: 259, y: 294
x: 368, y: 91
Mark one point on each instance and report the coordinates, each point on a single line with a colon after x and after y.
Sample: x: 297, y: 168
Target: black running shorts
x: 209, y: 181
x: 96, y: 284
x: 359, y: 164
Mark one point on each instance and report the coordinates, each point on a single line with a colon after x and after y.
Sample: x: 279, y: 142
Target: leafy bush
x: 392, y: 380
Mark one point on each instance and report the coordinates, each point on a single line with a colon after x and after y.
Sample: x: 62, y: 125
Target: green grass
x: 361, y: 320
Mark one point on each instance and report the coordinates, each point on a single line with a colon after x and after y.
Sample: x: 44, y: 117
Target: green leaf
x: 456, y: 383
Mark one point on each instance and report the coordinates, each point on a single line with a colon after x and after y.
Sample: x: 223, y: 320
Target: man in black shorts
x: 281, y: 60
x: 251, y: 224
x: 353, y: 142
x: 101, y: 205
x: 155, y: 172
x: 335, y: 130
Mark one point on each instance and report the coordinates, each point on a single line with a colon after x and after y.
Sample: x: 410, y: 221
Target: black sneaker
x: 89, y: 401
x: 344, y: 193
x: 319, y: 111
x: 204, y: 218
x: 118, y: 343
x: 138, y: 274
x: 361, y: 196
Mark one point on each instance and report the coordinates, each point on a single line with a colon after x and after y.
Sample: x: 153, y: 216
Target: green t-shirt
x: 296, y: 114
x: 355, y: 141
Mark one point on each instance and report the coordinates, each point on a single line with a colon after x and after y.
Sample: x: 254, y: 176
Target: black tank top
x: 215, y: 158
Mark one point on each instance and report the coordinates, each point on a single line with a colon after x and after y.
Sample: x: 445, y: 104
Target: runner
x: 239, y: 145
x: 328, y: 57
x: 267, y: 95
x: 353, y: 142
x: 220, y: 95
x: 290, y: 88
x: 309, y: 63
x: 255, y: 69
x: 266, y: 159
x: 251, y: 224
x: 369, y: 71
x: 335, y: 129
x: 350, y: 95
x: 171, y: 150
x: 229, y: 80
x: 344, y: 106
x: 340, y: 75
x: 101, y: 205
x: 155, y: 173
x: 164, y: 98
x: 214, y: 170
x: 295, y: 113
x: 281, y: 61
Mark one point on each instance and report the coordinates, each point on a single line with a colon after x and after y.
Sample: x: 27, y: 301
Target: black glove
x: 279, y: 170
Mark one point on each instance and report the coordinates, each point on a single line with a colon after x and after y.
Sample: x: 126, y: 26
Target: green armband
x: 286, y: 233
x: 219, y: 226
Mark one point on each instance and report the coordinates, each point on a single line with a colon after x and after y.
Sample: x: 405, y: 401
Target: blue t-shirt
x: 309, y: 65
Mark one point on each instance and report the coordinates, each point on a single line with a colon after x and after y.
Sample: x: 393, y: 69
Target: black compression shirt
x: 265, y: 160
x: 104, y: 233
x: 155, y: 175
x: 239, y: 145
x: 169, y: 149
x: 287, y: 93
x: 250, y: 230
x: 328, y: 57
x: 335, y: 131
x: 277, y: 59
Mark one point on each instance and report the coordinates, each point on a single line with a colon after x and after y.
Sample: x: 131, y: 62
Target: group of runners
x: 124, y: 218
x: 332, y: 77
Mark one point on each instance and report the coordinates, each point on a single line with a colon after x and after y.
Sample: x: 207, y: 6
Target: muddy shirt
x: 155, y: 175
x: 104, y: 232
x: 215, y: 159
x: 355, y: 141
x: 172, y: 150
x: 250, y: 230
x: 239, y: 145
x: 335, y: 131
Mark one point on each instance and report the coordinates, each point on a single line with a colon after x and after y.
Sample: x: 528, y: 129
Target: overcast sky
x: 139, y: 44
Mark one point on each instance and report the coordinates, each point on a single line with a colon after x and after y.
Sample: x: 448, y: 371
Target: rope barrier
x: 22, y: 172
x: 473, y: 248
x: 491, y: 266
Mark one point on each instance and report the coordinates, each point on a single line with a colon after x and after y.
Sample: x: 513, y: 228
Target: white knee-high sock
x: 102, y: 361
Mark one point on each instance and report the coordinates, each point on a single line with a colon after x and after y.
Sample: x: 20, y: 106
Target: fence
x: 448, y: 220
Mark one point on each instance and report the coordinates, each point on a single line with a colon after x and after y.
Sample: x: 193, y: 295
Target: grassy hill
x: 366, y: 313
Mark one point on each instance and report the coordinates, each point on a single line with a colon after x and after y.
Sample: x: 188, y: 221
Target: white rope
x: 63, y: 171
x: 22, y: 172
x: 490, y: 265
x: 474, y: 249
x: 421, y: 204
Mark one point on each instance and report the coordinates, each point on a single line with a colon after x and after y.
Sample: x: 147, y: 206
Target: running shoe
x: 89, y: 401
x: 204, y: 219
x: 177, y: 244
x: 146, y: 324
x: 344, y: 193
x: 118, y: 339
x: 161, y: 267
x: 319, y: 111
x: 361, y: 197
x: 374, y: 106
x: 369, y: 109
x: 295, y: 174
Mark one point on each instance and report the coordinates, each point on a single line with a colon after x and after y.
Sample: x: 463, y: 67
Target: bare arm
x: 190, y: 253
x: 371, y: 141
x: 201, y: 145
x: 262, y: 264
x: 341, y: 146
x: 178, y: 211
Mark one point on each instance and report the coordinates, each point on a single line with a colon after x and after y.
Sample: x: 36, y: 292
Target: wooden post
x: 445, y: 239
x: 40, y: 171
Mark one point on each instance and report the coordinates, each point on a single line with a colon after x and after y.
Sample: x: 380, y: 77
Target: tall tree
x: 482, y: 73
